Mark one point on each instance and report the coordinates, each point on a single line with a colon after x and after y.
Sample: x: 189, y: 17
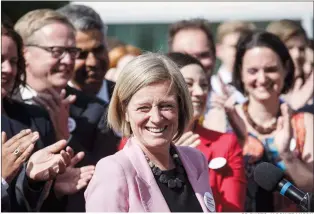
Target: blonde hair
x: 285, y: 29
x: 233, y: 27
x: 142, y: 71
x: 34, y: 20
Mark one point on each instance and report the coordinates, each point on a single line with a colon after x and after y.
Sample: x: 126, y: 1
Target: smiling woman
x: 222, y: 150
x: 150, y: 105
x: 264, y: 70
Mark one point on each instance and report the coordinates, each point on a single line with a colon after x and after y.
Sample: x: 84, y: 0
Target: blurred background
x: 145, y: 24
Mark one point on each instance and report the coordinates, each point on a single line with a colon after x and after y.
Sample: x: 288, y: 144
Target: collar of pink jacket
x: 150, y: 194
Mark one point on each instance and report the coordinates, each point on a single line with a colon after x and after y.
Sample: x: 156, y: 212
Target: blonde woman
x: 152, y: 107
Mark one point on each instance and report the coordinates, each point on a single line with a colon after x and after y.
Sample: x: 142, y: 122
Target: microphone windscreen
x: 268, y: 176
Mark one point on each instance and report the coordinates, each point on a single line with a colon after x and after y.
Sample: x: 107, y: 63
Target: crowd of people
x: 92, y: 124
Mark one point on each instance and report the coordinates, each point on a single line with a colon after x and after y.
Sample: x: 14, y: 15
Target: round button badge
x: 293, y: 144
x: 209, y: 202
x: 71, y: 124
x: 217, y: 163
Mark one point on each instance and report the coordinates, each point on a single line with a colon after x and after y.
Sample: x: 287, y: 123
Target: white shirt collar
x: 103, y: 92
x: 225, y: 75
x: 27, y: 94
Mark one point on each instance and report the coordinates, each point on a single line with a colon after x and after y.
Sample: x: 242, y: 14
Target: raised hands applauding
x: 73, y: 179
x: 46, y: 163
x: 57, y: 106
x: 223, y: 106
x: 15, y: 152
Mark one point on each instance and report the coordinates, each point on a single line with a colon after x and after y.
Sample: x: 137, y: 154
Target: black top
x: 21, y: 116
x: 32, y: 117
x: 309, y: 108
x: 179, y: 199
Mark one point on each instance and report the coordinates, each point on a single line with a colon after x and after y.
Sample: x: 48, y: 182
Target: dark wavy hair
x: 182, y: 59
x: 7, y: 30
x: 260, y: 38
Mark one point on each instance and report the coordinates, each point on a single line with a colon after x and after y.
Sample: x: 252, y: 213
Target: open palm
x: 284, y: 130
x: 44, y: 164
x: 73, y: 179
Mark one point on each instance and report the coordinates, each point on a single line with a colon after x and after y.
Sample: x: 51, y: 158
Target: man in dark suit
x: 50, y: 55
x: 26, y: 132
x: 93, y: 61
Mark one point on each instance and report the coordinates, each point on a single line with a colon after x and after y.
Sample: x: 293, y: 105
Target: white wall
x: 167, y: 12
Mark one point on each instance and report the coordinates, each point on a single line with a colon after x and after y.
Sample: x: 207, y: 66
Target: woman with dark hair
x: 263, y: 71
x: 222, y: 150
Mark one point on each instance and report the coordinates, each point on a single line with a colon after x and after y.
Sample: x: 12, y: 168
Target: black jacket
x: 90, y: 135
x: 21, y: 196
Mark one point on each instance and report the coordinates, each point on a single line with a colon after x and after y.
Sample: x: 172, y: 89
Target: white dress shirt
x: 27, y: 94
x: 5, y: 185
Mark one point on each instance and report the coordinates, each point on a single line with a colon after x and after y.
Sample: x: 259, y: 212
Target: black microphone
x: 271, y: 178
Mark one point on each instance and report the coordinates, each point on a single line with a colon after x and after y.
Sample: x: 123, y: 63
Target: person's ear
x: 26, y: 54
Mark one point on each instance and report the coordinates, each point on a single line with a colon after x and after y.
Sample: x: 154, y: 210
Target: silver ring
x: 17, y: 152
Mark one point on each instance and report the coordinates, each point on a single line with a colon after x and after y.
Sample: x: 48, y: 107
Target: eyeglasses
x: 59, y: 52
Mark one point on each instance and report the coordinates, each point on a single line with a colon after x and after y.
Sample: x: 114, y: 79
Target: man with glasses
x: 93, y: 62
x: 50, y: 53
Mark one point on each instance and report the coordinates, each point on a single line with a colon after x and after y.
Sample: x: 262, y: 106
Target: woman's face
x: 153, y: 114
x: 297, y: 46
x: 9, y: 59
x: 309, y: 62
x: 198, y: 86
x: 262, y: 73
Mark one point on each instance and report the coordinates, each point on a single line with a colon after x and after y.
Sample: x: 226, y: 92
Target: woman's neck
x: 159, y: 156
x: 263, y: 112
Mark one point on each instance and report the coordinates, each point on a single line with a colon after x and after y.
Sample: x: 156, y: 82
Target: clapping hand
x: 225, y: 101
x: 284, y: 130
x: 16, y: 151
x: 46, y: 163
x: 58, y: 108
x: 73, y: 179
x: 188, y: 139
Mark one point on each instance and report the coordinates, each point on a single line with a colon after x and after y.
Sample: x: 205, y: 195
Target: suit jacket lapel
x: 110, y: 86
x: 76, y: 110
x: 151, y: 196
x: 197, y: 180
